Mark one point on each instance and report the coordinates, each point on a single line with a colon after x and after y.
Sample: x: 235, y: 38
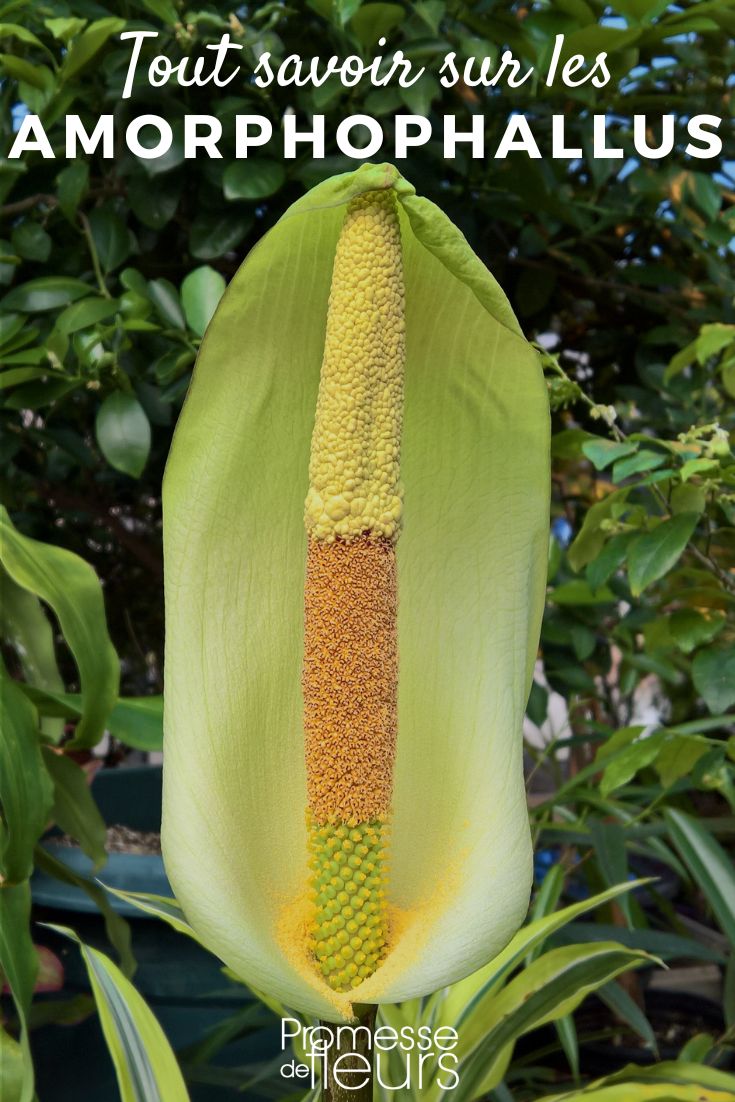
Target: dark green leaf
x: 84, y: 313
x: 165, y: 298
x: 111, y: 238
x: 135, y: 720
x: 579, y: 592
x: 604, y: 452
x: 713, y: 672
x: 124, y: 433
x: 253, y: 179
x: 71, y: 187
x: 74, y: 809
x: 19, y: 965
x: 46, y: 293
x: 25, y: 789
x: 71, y: 587
x: 643, y: 460
x: 710, y: 866
x: 154, y: 206
x: 200, y: 293
x: 652, y: 555
x: 31, y: 241
x: 214, y: 235
x: 608, y: 561
x: 690, y: 629
x: 538, y: 702
x: 116, y: 927
x: 26, y: 628
x: 87, y: 45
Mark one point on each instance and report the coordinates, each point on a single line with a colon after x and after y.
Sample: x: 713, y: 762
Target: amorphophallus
x: 355, y: 533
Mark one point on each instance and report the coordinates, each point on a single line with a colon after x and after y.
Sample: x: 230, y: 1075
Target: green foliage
x: 145, y: 1066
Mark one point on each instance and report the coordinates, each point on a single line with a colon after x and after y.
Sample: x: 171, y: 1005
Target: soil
x: 123, y: 839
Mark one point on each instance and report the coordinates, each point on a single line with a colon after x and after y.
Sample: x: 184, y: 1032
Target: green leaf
x: 154, y: 206
x: 19, y: 966
x: 591, y: 538
x: 608, y: 838
x: 145, y: 1065
x: 165, y: 298
x: 71, y: 187
x: 26, y: 628
x: 22, y: 34
x: 376, y: 20
x: 123, y: 433
x: 712, y: 339
x: 690, y: 628
x: 65, y: 28
x: 644, y: 460
x: 713, y: 673
x: 627, y: 1010
x: 674, y: 1081
x: 10, y: 326
x: 116, y: 928
x: 135, y: 720
x: 200, y: 294
x: 46, y: 293
x: 580, y: 592
x: 13, y: 1067
x: 74, y: 809
x: 679, y: 754
x: 345, y: 9
x: 85, y: 313
x: 681, y: 360
x: 602, y: 453
x: 38, y: 76
x: 31, y: 241
x: 168, y: 910
x: 213, y: 235
x: 609, y: 559
x: 474, y: 996
x: 550, y: 988
x: 652, y: 555
x: 629, y: 761
x: 688, y: 498
x: 87, y: 45
x: 253, y: 179
x: 71, y: 587
x: 697, y: 466
x: 710, y: 866
x: 25, y: 789
x: 111, y: 239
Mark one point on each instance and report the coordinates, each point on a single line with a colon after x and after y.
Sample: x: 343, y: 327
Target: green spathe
x: 472, y: 569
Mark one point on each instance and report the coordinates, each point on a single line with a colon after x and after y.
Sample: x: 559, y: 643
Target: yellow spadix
x: 345, y: 682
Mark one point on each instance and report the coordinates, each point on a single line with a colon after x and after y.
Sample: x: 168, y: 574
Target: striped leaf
x: 673, y: 1081
x: 710, y: 866
x: 145, y: 1064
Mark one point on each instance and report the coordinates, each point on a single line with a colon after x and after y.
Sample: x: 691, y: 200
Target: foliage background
x: 622, y: 270
x: 623, y: 261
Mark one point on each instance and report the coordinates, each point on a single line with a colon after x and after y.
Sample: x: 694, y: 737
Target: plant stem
x: 357, y: 1055
x: 87, y: 231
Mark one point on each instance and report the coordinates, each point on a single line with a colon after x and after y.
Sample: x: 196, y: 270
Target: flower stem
x: 355, y: 1085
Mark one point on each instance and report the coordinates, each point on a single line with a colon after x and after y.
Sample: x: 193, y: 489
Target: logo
x: 426, y: 1055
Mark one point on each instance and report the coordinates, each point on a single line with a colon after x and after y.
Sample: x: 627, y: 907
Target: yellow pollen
x: 350, y: 681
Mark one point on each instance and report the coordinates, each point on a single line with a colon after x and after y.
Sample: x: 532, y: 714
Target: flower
x: 470, y: 498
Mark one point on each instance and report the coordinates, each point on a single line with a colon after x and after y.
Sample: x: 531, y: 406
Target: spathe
x: 472, y: 568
